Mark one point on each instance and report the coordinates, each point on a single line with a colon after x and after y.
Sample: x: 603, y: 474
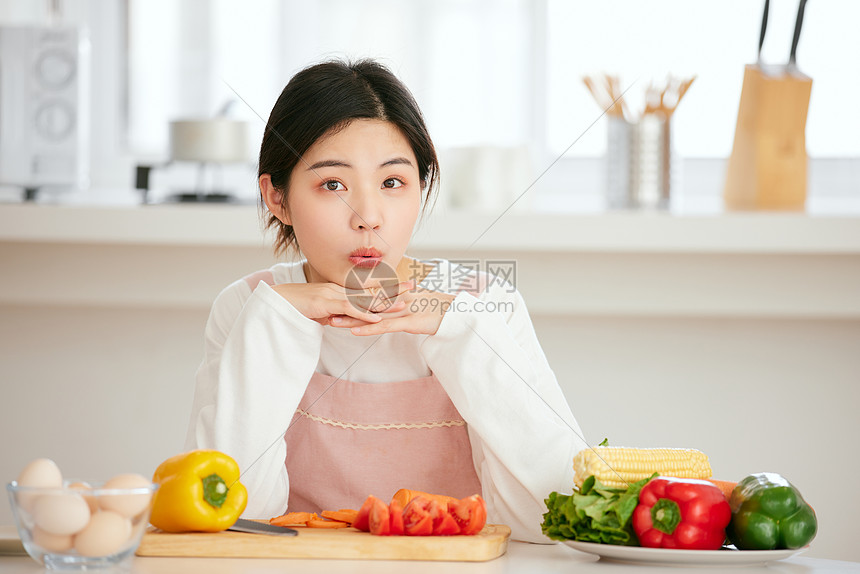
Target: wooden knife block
x: 767, y: 167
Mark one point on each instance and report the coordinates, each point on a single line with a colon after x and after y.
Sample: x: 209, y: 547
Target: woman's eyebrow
x: 396, y: 161
x: 328, y: 163
x: 341, y: 163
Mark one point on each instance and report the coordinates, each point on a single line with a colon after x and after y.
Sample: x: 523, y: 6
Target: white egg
x: 40, y: 473
x: 129, y: 505
x: 107, y: 533
x: 61, y: 513
x: 85, y: 488
x: 52, y: 542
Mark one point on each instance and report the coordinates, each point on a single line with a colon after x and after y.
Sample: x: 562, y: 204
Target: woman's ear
x: 272, y: 199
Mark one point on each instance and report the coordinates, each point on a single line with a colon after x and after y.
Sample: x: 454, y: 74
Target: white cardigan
x: 260, y: 353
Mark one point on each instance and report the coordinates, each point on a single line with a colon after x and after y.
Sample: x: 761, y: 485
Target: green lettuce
x: 594, y: 513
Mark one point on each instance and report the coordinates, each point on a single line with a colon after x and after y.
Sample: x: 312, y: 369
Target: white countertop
x: 520, y: 558
x: 599, y: 232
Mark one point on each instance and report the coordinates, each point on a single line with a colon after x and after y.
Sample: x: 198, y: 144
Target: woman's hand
x: 418, y: 311
x: 323, y: 302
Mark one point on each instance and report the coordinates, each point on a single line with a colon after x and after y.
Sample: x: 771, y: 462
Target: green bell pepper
x: 769, y: 513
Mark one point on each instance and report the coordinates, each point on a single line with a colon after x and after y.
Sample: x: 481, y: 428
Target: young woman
x: 358, y: 369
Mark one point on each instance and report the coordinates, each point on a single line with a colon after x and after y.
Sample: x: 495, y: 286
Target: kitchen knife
x: 797, y: 25
x: 763, y: 28
x: 252, y: 527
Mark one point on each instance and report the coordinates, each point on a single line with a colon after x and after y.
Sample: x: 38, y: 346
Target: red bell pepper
x: 681, y: 513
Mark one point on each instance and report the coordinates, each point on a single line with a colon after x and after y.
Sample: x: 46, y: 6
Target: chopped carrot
x: 326, y: 524
x: 344, y: 515
x: 404, y: 495
x: 292, y: 519
x: 726, y: 486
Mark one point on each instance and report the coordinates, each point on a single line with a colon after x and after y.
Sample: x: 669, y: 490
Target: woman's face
x: 353, y: 189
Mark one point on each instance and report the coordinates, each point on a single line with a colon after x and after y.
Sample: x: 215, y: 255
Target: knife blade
x: 253, y: 527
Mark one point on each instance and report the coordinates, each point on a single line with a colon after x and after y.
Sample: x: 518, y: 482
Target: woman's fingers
x: 407, y: 324
x: 347, y: 308
x: 390, y: 289
x: 378, y: 299
x: 345, y: 321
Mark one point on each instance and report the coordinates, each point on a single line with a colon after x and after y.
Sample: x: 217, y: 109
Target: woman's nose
x: 366, y: 212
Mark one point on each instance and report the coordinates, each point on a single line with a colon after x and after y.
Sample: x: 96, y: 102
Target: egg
x: 52, y: 542
x: 128, y: 505
x: 40, y: 473
x: 85, y: 488
x: 61, y: 513
x: 107, y: 533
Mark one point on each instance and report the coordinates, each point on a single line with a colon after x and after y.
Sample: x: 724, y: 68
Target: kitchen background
x: 734, y: 333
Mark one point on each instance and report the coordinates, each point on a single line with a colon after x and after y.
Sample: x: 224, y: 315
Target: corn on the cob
x: 619, y: 466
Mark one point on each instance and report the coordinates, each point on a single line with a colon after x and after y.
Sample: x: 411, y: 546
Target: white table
x: 520, y: 558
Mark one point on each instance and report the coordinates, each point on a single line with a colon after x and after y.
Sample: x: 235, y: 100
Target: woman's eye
x: 333, y: 185
x: 392, y: 183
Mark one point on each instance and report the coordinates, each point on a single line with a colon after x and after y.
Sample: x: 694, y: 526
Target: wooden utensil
x: 767, y: 168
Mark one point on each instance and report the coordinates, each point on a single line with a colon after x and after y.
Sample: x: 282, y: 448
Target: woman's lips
x: 365, y: 261
x: 365, y: 257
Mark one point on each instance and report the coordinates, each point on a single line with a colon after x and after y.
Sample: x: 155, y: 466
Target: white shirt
x: 260, y: 353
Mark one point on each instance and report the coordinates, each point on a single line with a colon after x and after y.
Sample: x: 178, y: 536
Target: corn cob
x: 619, y: 466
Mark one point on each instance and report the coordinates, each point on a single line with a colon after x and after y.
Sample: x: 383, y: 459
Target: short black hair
x: 326, y: 97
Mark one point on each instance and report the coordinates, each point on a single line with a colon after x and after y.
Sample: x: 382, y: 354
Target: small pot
x: 216, y: 140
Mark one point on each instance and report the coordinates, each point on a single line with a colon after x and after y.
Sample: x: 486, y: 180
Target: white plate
x: 9, y: 541
x: 638, y: 555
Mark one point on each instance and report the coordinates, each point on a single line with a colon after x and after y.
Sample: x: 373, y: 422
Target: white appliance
x: 44, y: 112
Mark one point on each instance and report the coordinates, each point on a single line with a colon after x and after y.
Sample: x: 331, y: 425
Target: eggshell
x: 84, y: 488
x: 107, y: 533
x: 61, y: 513
x: 52, y: 542
x: 42, y: 473
x: 128, y: 505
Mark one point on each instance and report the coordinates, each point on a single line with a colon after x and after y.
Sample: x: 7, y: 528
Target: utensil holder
x: 640, y: 163
x: 767, y: 168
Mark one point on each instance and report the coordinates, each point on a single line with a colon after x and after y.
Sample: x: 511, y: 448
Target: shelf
x: 447, y: 229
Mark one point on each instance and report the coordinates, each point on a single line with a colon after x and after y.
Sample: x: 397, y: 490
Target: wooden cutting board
x: 349, y: 543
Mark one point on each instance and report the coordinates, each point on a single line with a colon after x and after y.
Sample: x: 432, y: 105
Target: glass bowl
x: 80, y: 526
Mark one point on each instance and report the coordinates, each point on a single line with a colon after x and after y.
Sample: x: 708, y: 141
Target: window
x: 465, y: 61
x: 504, y: 73
x: 642, y: 41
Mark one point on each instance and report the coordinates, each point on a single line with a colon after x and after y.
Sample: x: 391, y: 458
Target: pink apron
x: 349, y: 440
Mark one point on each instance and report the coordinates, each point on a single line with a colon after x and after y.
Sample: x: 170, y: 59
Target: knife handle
x: 797, y: 26
x: 763, y: 27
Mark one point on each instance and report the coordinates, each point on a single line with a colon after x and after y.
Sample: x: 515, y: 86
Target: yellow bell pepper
x: 199, y: 491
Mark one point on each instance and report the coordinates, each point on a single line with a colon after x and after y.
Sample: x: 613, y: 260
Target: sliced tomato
x: 362, y: 519
x: 395, y: 517
x: 443, y: 522
x: 469, y: 513
x: 416, y: 520
x: 378, y: 520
